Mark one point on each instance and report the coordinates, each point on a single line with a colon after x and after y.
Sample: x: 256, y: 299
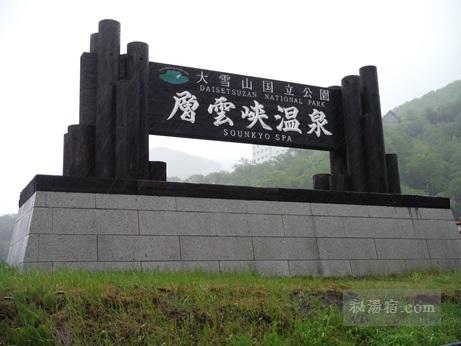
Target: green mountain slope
x: 428, y: 142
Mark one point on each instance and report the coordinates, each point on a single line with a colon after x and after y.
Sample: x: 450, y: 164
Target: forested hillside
x: 428, y: 142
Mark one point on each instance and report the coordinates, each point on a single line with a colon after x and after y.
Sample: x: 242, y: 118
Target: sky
x: 415, y: 45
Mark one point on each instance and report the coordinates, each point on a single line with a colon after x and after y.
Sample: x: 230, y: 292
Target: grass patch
x: 183, y: 308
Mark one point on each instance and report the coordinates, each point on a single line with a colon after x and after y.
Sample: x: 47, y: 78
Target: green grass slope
x: 162, y: 308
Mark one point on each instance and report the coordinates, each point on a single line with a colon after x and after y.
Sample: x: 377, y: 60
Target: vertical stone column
x: 79, y: 151
x: 108, y: 68
x: 373, y: 130
x: 138, y: 70
x: 94, y: 42
x: 338, y: 159
x: 132, y: 147
x: 79, y: 148
x: 127, y: 121
x: 87, y: 112
x: 353, y: 131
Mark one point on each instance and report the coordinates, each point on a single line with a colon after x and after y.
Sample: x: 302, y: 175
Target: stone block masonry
x: 97, y: 231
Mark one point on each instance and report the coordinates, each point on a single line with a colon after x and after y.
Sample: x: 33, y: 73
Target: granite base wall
x: 107, y: 231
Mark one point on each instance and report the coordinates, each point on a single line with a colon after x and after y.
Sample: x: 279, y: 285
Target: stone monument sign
x: 113, y: 208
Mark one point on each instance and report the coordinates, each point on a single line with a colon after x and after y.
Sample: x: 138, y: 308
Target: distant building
x: 262, y: 153
x: 391, y: 119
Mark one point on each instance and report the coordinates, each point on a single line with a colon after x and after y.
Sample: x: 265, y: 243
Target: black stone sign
x: 125, y: 97
x: 204, y: 104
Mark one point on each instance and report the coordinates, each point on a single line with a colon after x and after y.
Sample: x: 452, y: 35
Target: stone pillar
x: 338, y: 159
x: 138, y: 70
x: 107, y: 76
x: 353, y: 131
x: 79, y: 151
x: 127, y: 121
x: 373, y: 130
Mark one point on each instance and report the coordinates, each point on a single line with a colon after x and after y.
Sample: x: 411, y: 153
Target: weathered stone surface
x: 305, y: 267
x: 298, y: 226
x: 67, y: 248
x: 265, y: 225
x: 358, y: 227
x: 278, y: 208
x: 339, y: 209
x: 130, y: 202
x: 320, y: 209
x: 216, y: 248
x: 138, y: 248
x: 401, y: 249
x: 444, y: 249
x: 95, y: 221
x: 381, y: 211
x: 371, y: 227
x: 41, y: 221
x: 24, y: 250
x: 407, y: 229
x: 432, y: 229
x: 329, y: 226
x: 116, y: 222
x: 211, y: 205
x: 335, y: 268
x: 74, y: 221
x: 70, y: 200
x: 348, y: 210
x: 38, y: 199
x: 452, y: 230
x: 402, y: 213
x: 30, y: 245
x: 270, y: 268
x: 436, y: 214
x: 231, y: 224
x: 449, y: 263
x: 385, y: 228
x: 275, y: 248
x: 273, y: 238
x: 176, y: 223
x: 414, y: 213
x: 343, y: 248
x: 14, y: 255
x: 21, y: 228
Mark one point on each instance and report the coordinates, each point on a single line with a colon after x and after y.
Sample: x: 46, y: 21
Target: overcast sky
x: 416, y: 46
